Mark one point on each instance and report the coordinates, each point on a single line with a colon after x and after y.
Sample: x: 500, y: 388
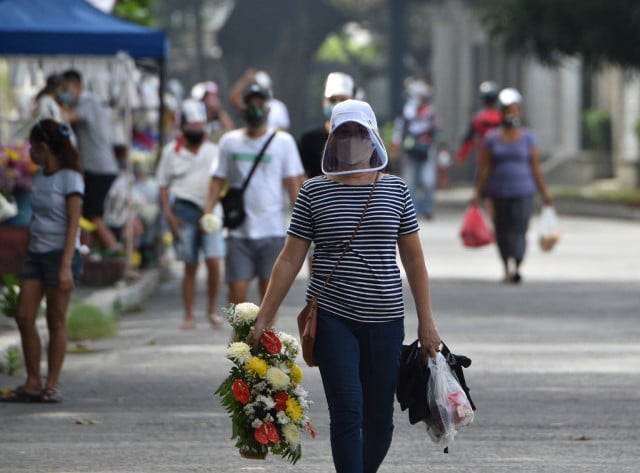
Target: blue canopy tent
x: 76, y: 28
x: 73, y: 27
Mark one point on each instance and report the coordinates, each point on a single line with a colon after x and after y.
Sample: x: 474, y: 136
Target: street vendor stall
x: 39, y: 37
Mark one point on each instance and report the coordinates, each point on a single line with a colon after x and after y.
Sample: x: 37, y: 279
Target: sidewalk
x: 123, y: 297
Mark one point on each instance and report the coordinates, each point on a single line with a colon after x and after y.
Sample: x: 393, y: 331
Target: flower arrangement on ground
x: 16, y: 168
x: 263, y: 392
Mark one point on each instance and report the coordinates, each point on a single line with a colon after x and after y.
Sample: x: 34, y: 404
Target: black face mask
x: 510, y: 121
x: 193, y: 137
x: 254, y: 117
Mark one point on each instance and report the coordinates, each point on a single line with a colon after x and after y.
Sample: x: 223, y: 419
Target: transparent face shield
x: 353, y: 148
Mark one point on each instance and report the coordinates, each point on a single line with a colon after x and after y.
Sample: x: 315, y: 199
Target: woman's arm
x: 537, y: 175
x: 416, y: 270
x: 485, y: 170
x: 285, y: 270
x: 74, y: 209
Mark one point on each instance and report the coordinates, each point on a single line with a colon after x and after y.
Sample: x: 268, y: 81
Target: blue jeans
x: 359, y: 363
x: 420, y: 178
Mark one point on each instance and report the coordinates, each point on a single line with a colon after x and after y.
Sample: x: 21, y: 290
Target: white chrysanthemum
x: 290, y: 344
x: 246, y: 311
x: 239, y: 352
x: 282, y: 418
x: 267, y: 401
x: 291, y: 434
x: 277, y: 378
x: 210, y: 223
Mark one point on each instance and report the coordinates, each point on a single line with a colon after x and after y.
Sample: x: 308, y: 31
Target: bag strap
x: 353, y: 235
x: 257, y: 161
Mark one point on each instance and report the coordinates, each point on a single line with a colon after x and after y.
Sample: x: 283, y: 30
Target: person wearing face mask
x: 338, y: 88
x: 510, y: 176
x: 183, y: 179
x: 253, y: 246
x: 91, y: 121
x: 53, y: 263
x: 358, y: 220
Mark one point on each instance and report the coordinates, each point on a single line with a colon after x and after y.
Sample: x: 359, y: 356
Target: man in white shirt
x: 252, y: 247
x: 183, y: 174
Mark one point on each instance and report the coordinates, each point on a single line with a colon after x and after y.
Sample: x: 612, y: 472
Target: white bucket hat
x: 338, y: 83
x: 351, y: 150
x: 193, y: 111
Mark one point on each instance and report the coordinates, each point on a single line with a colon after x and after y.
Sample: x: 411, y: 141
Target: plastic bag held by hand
x: 449, y: 408
x: 475, y: 232
x: 549, y: 228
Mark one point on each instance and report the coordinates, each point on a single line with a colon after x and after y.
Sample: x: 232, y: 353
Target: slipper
x: 20, y: 395
x: 51, y: 395
x: 216, y: 320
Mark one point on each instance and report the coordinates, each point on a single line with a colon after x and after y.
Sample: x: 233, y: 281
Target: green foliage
x: 135, y: 11
x: 9, y: 295
x: 597, y: 129
x: 88, y: 322
x: 12, y: 365
x: 597, y: 30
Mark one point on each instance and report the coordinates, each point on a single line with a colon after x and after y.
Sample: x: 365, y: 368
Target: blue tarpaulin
x: 72, y: 27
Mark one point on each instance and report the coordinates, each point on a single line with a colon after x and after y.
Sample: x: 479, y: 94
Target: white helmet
x: 509, y: 96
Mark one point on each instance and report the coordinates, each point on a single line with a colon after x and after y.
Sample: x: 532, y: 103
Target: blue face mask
x: 328, y: 110
x: 66, y: 98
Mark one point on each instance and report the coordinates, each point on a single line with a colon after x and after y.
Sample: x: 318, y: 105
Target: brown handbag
x: 308, y: 316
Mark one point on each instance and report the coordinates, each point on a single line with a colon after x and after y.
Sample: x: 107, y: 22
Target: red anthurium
x: 241, y: 391
x: 280, y: 399
x: 310, y: 430
x: 271, y: 342
x: 266, y: 433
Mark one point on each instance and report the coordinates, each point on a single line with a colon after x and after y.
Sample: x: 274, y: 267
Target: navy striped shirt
x: 367, y: 285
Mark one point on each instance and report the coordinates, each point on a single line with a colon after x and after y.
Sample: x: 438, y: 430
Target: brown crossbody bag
x: 308, y: 316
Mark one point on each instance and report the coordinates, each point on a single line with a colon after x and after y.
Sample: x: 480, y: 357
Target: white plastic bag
x: 449, y: 408
x: 549, y: 228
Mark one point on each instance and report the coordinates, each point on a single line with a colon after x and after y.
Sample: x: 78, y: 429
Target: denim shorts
x: 247, y: 258
x: 46, y: 266
x: 192, y: 240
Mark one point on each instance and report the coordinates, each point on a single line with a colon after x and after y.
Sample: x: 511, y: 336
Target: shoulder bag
x: 233, y: 201
x: 308, y: 316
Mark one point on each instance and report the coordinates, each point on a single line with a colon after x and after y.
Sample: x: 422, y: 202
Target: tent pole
x: 163, y: 79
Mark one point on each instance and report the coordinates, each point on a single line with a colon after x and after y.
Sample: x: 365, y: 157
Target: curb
x: 122, y: 297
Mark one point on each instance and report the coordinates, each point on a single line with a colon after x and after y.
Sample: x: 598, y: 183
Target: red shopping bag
x: 475, y: 232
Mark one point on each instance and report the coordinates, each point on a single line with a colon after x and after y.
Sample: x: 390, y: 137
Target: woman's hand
x: 429, y: 340
x: 175, y: 224
x: 253, y: 339
x: 65, y: 279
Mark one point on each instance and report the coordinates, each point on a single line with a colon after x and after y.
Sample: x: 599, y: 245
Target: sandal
x: 216, y: 320
x: 51, y: 395
x: 20, y: 395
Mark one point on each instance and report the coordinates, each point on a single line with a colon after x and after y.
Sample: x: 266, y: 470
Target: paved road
x: 555, y: 374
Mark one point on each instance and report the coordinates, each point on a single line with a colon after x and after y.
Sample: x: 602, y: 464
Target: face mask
x: 193, y: 137
x: 353, y: 151
x: 510, y: 121
x: 255, y: 117
x: 328, y: 109
x: 66, y: 98
x: 37, y: 158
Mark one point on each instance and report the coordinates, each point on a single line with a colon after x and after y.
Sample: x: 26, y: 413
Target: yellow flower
x: 256, y: 366
x: 295, y: 373
x: 291, y: 434
x: 293, y: 410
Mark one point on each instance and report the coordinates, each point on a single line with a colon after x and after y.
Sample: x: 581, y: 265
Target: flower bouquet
x: 16, y: 167
x: 263, y: 394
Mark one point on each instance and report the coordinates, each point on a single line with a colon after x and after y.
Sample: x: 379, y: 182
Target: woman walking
x: 360, y: 311
x: 53, y: 263
x: 510, y: 176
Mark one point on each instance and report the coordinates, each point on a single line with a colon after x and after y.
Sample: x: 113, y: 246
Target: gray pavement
x: 555, y: 374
